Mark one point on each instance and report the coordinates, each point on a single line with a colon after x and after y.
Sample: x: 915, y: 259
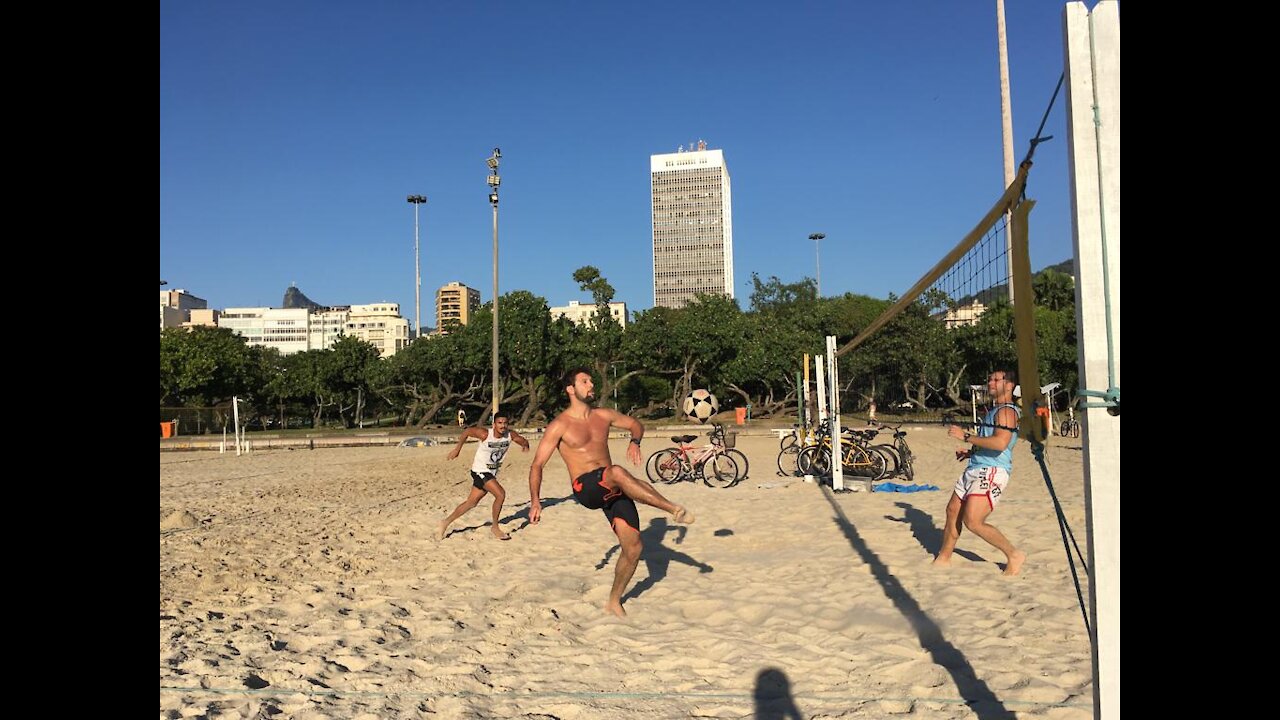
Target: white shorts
x: 986, y: 482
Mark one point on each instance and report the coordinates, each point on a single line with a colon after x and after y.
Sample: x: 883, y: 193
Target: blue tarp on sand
x: 900, y: 488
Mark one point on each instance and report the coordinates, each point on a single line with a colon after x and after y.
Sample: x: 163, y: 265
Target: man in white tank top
x: 494, y: 443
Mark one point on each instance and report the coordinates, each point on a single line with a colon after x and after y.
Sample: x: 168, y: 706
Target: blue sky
x: 291, y: 133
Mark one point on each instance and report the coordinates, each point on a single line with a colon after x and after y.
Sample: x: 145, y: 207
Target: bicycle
x: 789, y: 447
x: 1070, y: 426
x: 855, y: 456
x: 728, y: 440
x: 904, y: 459
x: 685, y: 462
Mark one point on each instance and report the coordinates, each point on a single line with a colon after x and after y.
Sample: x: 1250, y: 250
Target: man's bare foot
x: 499, y: 533
x: 1015, y: 562
x: 440, y: 531
x: 615, y: 608
x: 682, y: 516
x: 942, y: 562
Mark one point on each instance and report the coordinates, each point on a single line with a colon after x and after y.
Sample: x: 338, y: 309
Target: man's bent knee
x: 975, y: 517
x: 618, y: 476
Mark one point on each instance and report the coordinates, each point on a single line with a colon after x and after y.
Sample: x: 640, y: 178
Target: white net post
x: 820, y: 376
x: 235, y: 417
x: 837, y: 454
x: 1092, y: 41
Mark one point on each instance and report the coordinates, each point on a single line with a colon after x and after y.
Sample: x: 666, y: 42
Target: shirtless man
x: 581, y: 433
x: 494, y: 443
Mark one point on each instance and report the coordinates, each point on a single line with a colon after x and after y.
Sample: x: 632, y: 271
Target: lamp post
x: 417, y: 275
x: 817, y: 258
x: 1006, y: 122
x: 494, y: 182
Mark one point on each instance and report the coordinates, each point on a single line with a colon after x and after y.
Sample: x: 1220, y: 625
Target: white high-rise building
x: 692, y: 225
x: 581, y: 313
x: 284, y: 329
x: 381, y: 325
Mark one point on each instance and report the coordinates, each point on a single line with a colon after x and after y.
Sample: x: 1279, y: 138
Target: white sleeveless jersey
x: 490, y: 453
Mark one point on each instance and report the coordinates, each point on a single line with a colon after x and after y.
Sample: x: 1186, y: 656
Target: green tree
x: 688, y: 346
x: 204, y: 366
x: 599, y: 344
x: 1054, y: 290
x: 433, y: 373
x: 529, y: 350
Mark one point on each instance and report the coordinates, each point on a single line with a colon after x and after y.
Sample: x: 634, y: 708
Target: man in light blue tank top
x: 990, y: 455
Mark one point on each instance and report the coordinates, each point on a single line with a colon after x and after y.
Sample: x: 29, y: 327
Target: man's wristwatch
x: 636, y: 441
x: 967, y: 436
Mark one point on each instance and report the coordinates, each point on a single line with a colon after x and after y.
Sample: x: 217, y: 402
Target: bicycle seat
x: 683, y: 439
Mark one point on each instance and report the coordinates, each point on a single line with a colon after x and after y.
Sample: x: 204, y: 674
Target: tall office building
x: 455, y: 304
x: 692, y: 225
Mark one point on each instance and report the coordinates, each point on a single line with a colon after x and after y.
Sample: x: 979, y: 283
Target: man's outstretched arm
x: 477, y: 433
x: 550, y: 440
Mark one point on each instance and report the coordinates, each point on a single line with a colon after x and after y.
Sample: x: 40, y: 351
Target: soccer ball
x: 700, y: 405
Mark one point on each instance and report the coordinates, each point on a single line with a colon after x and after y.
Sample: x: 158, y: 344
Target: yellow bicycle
x: 856, y: 456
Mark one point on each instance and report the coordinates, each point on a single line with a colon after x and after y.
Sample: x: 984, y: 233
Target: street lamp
x: 494, y: 182
x: 815, y: 237
x: 417, y: 275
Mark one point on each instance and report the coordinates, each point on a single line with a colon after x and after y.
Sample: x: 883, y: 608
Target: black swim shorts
x: 479, y: 479
x: 591, y: 491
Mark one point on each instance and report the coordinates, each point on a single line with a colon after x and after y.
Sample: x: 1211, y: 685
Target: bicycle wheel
x: 1065, y: 429
x: 908, y: 463
x: 892, y: 461
x: 1075, y: 428
x: 866, y: 463
x: 814, y: 460
x: 878, y: 464
x: 741, y: 460
x: 789, y: 443
x: 670, y: 467
x: 720, y: 471
x: 651, y: 466
x: 787, y: 458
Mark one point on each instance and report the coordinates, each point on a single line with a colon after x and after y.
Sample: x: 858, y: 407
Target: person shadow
x: 517, y: 515
x: 928, y: 534
x: 657, y: 557
x: 773, y: 697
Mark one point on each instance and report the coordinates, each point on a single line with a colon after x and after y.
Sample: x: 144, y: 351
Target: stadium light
x: 417, y: 273
x: 494, y: 182
x: 815, y: 237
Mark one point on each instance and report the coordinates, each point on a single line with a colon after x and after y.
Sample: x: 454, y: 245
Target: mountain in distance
x: 293, y: 298
x: 994, y: 293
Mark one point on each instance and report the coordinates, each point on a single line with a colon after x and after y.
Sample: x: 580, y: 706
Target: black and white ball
x: 700, y: 405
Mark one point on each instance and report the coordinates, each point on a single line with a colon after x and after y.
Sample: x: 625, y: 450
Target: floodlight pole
x: 417, y: 275
x: 817, y: 257
x: 494, y: 182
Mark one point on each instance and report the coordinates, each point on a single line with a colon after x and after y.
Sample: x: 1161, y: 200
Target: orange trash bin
x: 166, y: 429
x: 741, y: 415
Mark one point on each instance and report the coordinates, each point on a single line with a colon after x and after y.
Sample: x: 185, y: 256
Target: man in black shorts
x: 581, y: 434
x: 494, y: 443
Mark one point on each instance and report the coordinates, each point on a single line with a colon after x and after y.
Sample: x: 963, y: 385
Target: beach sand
x: 310, y: 584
